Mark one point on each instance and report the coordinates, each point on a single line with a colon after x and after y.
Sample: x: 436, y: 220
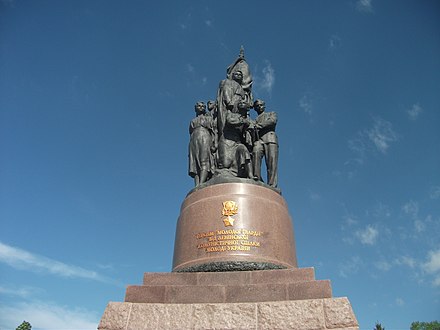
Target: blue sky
x: 90, y: 90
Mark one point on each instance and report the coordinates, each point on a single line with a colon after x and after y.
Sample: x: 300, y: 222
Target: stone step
x: 186, y: 294
x: 335, y: 313
x: 292, y: 275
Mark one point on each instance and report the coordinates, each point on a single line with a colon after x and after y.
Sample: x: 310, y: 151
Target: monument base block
x: 267, y: 299
x: 314, y: 314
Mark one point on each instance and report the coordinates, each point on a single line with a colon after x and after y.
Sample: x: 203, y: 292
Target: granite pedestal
x: 234, y: 267
x: 234, y: 226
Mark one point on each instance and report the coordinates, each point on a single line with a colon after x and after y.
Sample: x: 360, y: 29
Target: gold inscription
x: 223, y: 240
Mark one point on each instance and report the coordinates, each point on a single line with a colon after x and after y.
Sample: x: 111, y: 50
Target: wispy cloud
x: 364, y: 6
x: 314, y: 196
x: 419, y: 226
x: 47, y: 316
x: 432, y: 266
x: 306, y: 104
x: 405, y: 261
x: 382, y: 134
x: 208, y: 22
x: 334, y: 42
x: 359, y: 147
x: 380, y: 210
x: 433, y: 263
x: 383, y: 265
x: 377, y: 138
x: 435, y: 192
x: 22, y: 292
x: 350, y: 267
x: 414, y: 111
x: 266, y: 80
x: 190, y: 68
x: 194, y: 77
x: 368, y: 235
x: 400, y: 302
x: 411, y: 208
x: 24, y: 260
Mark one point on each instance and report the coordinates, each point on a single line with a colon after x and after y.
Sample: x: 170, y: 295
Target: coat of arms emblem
x: 229, y: 208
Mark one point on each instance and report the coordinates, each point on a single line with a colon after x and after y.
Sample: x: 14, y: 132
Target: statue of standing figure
x: 265, y: 144
x: 226, y: 141
x: 201, y: 146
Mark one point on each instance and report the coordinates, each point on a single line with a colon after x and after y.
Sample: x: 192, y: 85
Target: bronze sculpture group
x: 225, y: 141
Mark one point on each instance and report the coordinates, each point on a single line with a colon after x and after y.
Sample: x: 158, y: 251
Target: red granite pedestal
x: 234, y: 226
x: 240, y: 227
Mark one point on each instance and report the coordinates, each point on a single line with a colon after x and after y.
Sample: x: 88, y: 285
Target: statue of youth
x: 202, y: 145
x: 265, y: 144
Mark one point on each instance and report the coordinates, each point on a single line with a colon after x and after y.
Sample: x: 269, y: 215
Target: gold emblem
x: 229, y: 208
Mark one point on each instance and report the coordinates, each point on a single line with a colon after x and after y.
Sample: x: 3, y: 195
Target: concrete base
x: 314, y: 314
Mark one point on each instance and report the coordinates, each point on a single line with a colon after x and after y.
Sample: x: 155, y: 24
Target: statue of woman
x: 202, y: 144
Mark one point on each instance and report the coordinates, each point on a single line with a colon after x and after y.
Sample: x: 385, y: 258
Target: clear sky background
x: 95, y: 101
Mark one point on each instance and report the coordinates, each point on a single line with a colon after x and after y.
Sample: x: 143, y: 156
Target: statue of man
x: 234, y: 143
x: 201, y: 145
x: 266, y: 143
x: 241, y: 65
x: 212, y: 108
x: 230, y: 92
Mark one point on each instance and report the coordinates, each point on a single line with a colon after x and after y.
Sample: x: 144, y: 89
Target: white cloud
x: 267, y: 81
x: 305, y: 103
x: 435, y: 192
x: 383, y: 265
x: 411, y: 208
x: 47, y: 316
x: 414, y: 112
x: 368, y: 236
x: 190, y: 68
x: 382, y: 134
x: 406, y: 261
x: 419, y: 226
x: 334, y: 42
x: 23, y: 292
x: 359, y: 147
x: 379, y: 137
x: 432, y: 266
x: 24, y: 260
x: 364, y: 6
x: 400, y: 302
x: 433, y: 263
x: 381, y: 210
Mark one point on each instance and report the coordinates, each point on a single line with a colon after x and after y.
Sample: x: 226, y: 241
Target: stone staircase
x: 229, y: 287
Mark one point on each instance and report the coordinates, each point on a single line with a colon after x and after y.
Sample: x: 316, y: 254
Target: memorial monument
x: 234, y: 264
